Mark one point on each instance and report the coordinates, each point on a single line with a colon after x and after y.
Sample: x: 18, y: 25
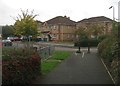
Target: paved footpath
x: 78, y: 69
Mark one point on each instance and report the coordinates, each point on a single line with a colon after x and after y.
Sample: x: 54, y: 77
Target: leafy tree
x: 81, y: 35
x: 25, y: 25
x: 7, y: 31
x: 95, y: 30
x: 85, y: 33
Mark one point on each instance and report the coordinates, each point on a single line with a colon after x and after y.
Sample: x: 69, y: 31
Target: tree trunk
x: 79, y: 49
x: 88, y: 47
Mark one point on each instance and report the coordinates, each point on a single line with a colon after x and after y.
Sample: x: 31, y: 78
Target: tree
x: 93, y: 30
x: 81, y: 35
x: 25, y: 25
x: 84, y: 34
x: 7, y: 31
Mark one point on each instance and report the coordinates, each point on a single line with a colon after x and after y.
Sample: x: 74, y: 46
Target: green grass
x: 48, y: 66
x: 52, y: 62
x: 60, y: 55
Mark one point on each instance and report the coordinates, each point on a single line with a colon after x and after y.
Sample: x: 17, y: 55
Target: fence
x: 45, y: 52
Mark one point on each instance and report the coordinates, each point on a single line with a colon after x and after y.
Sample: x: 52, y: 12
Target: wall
x: 63, y: 32
x: 107, y: 26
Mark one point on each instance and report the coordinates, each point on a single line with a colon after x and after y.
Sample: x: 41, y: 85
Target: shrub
x: 109, y: 50
x: 84, y: 43
x: 105, y: 50
x: 19, y: 67
x: 102, y: 37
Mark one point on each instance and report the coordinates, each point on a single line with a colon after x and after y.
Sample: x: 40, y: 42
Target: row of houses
x: 62, y: 28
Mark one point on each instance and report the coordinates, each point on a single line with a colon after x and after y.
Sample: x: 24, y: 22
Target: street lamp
x: 113, y: 24
x: 119, y: 11
x: 113, y: 12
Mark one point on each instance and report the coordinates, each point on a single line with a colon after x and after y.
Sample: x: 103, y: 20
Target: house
x: 104, y: 22
x: 59, y: 28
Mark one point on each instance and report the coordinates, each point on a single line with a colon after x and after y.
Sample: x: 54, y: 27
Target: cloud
x: 47, y: 9
x: 5, y: 14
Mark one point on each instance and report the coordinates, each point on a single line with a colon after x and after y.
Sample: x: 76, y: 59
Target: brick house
x: 103, y: 21
x: 59, y: 28
x: 63, y: 29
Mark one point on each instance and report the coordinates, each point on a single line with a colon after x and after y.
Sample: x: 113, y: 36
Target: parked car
x: 24, y: 38
x: 14, y: 38
x: 6, y: 42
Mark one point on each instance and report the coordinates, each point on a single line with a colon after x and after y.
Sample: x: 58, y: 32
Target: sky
x: 48, y: 9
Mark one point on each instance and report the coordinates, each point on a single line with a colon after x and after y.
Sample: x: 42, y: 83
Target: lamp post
x: 113, y: 12
x: 113, y: 24
x: 119, y: 11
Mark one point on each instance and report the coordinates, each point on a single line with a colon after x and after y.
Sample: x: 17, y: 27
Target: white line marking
x: 108, y: 71
x: 75, y: 53
x: 83, y: 54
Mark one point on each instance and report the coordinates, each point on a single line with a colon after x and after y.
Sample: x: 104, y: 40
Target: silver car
x: 6, y: 42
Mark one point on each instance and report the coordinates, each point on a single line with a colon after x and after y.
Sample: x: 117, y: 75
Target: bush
x: 105, y: 51
x: 18, y: 69
x: 108, y: 50
x: 105, y: 48
x: 84, y: 43
x: 102, y: 37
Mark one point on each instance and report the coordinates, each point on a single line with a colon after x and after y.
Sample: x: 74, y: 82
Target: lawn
x: 53, y: 61
x: 60, y: 55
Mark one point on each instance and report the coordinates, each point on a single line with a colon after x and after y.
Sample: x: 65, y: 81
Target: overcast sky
x: 47, y: 9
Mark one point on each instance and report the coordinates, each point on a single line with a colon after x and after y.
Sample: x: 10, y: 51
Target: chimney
x: 68, y: 17
x: 65, y: 16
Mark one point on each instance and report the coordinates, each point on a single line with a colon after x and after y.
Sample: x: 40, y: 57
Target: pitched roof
x: 61, y: 20
x: 38, y: 21
x: 96, y: 19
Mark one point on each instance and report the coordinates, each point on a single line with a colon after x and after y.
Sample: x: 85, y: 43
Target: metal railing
x: 46, y: 52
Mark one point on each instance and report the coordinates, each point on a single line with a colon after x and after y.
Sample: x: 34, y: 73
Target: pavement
x: 80, y: 68
x: 69, y: 45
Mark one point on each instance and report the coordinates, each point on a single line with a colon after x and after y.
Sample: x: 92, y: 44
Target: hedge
x: 84, y: 43
x: 20, y: 70
x: 108, y: 50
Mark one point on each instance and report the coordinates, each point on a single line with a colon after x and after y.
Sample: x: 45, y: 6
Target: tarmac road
x: 80, y: 68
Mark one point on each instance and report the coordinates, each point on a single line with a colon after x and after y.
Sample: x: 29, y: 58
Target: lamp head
x: 110, y: 7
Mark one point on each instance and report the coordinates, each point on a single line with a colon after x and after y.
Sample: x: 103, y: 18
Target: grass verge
x: 52, y: 62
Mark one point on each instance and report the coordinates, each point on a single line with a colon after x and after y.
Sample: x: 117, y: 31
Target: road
x: 80, y: 68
